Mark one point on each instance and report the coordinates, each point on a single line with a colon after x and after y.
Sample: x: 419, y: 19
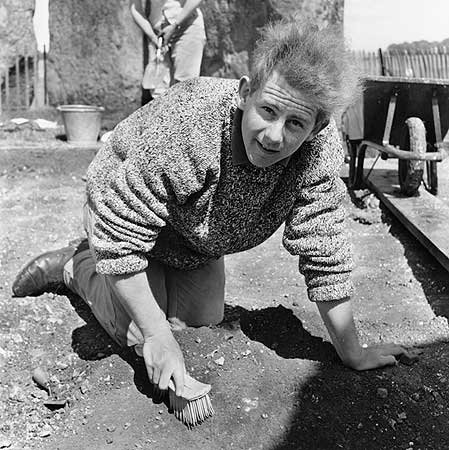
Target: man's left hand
x: 339, y: 321
x: 376, y: 356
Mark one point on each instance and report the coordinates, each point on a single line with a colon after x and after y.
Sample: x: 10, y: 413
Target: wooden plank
x: 425, y: 216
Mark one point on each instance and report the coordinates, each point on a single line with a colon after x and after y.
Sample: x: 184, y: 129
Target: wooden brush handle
x: 193, y: 389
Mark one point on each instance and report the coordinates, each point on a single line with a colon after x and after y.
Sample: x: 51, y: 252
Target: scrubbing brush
x: 194, y: 407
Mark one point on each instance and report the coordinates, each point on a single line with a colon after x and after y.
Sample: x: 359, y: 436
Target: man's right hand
x: 162, y: 354
x: 164, y: 361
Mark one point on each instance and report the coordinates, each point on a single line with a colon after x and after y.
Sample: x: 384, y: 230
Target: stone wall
x: 16, y: 30
x: 96, y: 50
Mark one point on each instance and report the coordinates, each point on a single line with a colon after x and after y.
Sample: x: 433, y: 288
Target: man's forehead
x: 279, y: 92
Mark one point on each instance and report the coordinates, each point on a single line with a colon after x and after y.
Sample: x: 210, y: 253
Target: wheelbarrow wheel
x: 411, y: 171
x: 356, y: 159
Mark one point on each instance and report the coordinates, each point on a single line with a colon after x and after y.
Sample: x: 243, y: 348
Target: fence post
x: 27, y: 79
x: 7, y: 88
x: 439, y: 58
x: 421, y: 63
x: 17, y: 66
x: 446, y: 62
x: 382, y: 64
x: 1, y: 93
x: 39, y: 81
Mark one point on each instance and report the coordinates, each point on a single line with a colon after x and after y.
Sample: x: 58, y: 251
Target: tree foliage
x: 418, y: 45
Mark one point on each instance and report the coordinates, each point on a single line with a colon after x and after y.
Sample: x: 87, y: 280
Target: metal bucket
x: 82, y: 123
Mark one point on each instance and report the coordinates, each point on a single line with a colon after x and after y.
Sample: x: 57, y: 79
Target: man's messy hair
x: 312, y: 60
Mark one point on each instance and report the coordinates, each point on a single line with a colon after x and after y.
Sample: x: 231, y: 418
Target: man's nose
x: 274, y: 135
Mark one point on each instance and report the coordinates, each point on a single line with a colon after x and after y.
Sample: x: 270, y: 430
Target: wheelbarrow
x: 403, y: 118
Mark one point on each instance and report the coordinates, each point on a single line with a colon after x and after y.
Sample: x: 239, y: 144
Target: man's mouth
x: 267, y: 150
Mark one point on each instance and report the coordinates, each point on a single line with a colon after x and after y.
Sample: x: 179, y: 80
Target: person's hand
x: 376, y: 356
x: 164, y: 361
x: 167, y: 33
x: 157, y: 42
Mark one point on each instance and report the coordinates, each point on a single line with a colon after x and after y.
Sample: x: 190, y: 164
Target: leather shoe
x: 44, y: 273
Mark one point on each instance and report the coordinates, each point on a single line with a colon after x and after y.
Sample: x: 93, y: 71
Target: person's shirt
x: 166, y: 11
x: 173, y: 183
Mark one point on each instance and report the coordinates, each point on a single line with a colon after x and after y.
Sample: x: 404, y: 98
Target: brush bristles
x: 191, y: 412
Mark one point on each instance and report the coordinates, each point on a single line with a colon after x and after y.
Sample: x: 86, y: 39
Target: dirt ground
x: 279, y: 385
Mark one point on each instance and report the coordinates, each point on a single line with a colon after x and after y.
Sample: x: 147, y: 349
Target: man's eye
x: 268, y: 110
x: 295, y: 123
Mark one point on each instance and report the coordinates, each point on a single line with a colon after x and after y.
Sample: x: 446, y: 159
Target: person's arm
x: 338, y: 318
x: 145, y: 25
x: 162, y: 354
x: 315, y: 231
x: 187, y: 9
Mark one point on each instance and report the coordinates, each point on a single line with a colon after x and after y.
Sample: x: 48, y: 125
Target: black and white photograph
x: 224, y: 224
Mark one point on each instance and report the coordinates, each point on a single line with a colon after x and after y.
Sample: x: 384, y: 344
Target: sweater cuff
x: 122, y: 264
x: 331, y: 292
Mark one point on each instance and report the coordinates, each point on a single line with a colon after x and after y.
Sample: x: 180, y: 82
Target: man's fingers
x: 164, y: 379
x: 393, y: 349
x: 388, y: 360
x: 150, y: 373
x: 178, y: 378
x: 156, y: 375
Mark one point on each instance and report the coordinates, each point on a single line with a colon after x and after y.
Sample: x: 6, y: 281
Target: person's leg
x: 146, y: 96
x: 98, y: 292
x: 196, y: 297
x: 187, y: 52
x: 157, y: 73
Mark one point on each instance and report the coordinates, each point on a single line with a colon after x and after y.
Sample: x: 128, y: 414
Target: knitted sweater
x: 166, y: 186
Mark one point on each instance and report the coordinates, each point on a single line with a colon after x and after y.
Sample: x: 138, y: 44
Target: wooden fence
x: 17, y: 83
x: 418, y: 63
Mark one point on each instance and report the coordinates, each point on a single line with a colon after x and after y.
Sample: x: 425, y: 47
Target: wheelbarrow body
x: 405, y: 118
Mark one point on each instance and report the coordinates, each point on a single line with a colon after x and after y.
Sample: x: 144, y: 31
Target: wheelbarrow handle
x: 442, y: 153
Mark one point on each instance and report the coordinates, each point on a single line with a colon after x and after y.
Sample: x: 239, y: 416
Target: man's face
x: 276, y: 120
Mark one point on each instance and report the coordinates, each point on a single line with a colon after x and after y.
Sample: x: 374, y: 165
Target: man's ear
x: 244, y: 91
x: 321, y: 123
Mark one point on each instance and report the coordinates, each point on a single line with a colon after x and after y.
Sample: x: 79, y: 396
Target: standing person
x: 176, y: 37
x: 214, y: 167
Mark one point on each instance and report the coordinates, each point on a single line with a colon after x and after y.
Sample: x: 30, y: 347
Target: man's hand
x: 164, y: 361
x: 339, y: 321
x: 162, y: 355
x: 375, y: 356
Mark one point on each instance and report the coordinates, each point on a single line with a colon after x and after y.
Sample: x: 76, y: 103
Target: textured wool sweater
x: 173, y: 183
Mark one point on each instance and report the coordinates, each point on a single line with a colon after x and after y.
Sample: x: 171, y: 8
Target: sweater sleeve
x: 156, y: 162
x: 128, y: 204
x: 315, y: 228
